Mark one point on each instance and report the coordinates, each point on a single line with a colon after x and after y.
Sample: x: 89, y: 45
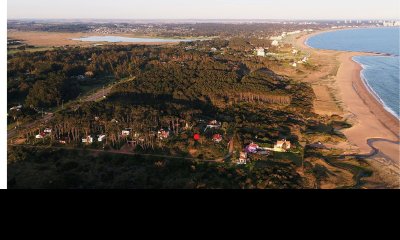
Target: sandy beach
x: 369, y: 118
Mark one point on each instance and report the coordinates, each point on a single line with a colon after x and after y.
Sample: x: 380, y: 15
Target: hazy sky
x: 204, y: 9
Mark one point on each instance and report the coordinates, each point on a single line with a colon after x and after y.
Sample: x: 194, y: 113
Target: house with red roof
x: 217, y: 138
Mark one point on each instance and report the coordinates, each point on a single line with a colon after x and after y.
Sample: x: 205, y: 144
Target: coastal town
x: 245, y: 98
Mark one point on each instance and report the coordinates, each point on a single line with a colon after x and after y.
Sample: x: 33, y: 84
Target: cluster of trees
x: 43, y: 78
x: 262, y: 98
x: 52, y: 91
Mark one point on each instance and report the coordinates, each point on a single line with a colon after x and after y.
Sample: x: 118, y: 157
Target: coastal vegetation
x: 176, y: 116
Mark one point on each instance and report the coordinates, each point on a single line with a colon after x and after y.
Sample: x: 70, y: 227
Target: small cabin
x: 217, y: 138
x: 260, y: 52
x: 282, y: 145
x: 47, y: 130
x: 41, y: 135
x: 163, y: 134
x: 242, y: 158
x: 126, y: 132
x: 88, y: 140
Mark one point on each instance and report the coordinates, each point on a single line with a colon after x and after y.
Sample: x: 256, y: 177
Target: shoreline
x: 371, y: 119
x: 373, y: 93
x: 359, y: 54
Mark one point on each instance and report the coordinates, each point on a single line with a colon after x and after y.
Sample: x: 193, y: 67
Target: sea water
x: 380, y: 73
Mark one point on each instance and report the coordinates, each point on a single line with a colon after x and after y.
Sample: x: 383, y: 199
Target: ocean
x: 380, y: 73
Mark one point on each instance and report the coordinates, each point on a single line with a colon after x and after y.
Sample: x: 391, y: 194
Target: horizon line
x: 211, y: 19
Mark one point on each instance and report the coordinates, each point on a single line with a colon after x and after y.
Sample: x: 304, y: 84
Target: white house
x: 88, y: 139
x: 260, y: 52
x: 242, y: 158
x: 126, y: 132
x: 16, y: 108
x: 47, y: 130
x: 294, y: 64
x: 213, y: 124
x: 40, y: 136
x: 275, y: 43
x: 101, y: 138
x: 282, y: 145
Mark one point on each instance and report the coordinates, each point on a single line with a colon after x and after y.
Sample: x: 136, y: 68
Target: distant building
x: 275, y: 43
x: 391, y: 23
x: 260, y: 52
x: 294, y: 64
